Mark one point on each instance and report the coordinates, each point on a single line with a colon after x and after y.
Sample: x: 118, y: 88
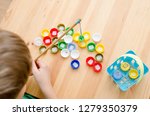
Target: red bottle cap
x: 97, y: 67
x: 90, y: 61
x: 47, y: 40
x: 54, y: 32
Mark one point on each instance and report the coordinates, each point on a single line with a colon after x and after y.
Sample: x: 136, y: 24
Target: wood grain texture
x: 4, y: 4
x: 124, y: 25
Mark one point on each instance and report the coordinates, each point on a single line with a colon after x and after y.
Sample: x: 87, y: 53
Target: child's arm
x: 42, y: 76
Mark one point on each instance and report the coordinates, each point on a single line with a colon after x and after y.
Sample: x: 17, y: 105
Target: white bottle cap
x: 68, y: 38
x: 38, y: 41
x: 96, y: 37
x: 65, y: 53
x: 75, y: 54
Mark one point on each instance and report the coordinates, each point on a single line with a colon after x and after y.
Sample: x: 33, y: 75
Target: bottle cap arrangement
x: 69, y: 44
x: 127, y: 70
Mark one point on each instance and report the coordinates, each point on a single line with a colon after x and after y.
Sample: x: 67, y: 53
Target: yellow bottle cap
x: 133, y: 74
x: 87, y: 36
x: 76, y: 37
x: 99, y: 48
x: 82, y: 44
x: 45, y: 32
x: 125, y: 66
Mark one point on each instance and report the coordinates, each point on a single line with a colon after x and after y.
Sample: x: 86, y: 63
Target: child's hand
x: 42, y: 76
x: 41, y: 72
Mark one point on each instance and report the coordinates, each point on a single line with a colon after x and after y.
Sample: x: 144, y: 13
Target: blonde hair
x: 15, y: 64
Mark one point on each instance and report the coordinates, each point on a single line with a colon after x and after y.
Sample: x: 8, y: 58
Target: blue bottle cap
x: 75, y: 64
x: 71, y: 46
x: 117, y: 75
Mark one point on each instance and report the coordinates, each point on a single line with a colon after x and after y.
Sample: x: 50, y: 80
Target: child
x: 16, y: 65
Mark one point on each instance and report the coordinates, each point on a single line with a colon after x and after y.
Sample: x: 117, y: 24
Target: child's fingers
x: 34, y: 67
x: 40, y: 63
x: 33, y: 64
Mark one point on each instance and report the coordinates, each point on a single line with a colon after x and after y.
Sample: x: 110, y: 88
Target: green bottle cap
x: 81, y: 38
x: 91, y: 46
x: 71, y: 32
x: 62, y: 45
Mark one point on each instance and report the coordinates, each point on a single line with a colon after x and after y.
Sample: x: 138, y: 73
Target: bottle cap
x: 97, y: 67
x: 47, y: 40
x: 81, y: 38
x: 87, y: 36
x: 54, y: 49
x: 54, y: 32
x: 96, y: 37
x: 99, y: 57
x: 65, y: 53
x: 75, y: 64
x: 76, y: 37
x: 71, y: 46
x: 99, y: 48
x: 54, y: 38
x: 133, y: 74
x: 82, y: 44
x: 71, y: 32
x: 62, y: 45
x: 91, y: 46
x: 75, y: 54
x: 60, y: 33
x: 38, y: 41
x: 42, y: 49
x: 45, y: 32
x: 68, y: 38
x: 61, y: 27
x: 117, y: 75
x: 90, y: 61
x: 125, y: 66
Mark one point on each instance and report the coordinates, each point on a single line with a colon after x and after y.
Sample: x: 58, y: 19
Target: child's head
x: 15, y: 64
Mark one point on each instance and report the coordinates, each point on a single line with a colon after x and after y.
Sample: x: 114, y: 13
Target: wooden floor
x: 124, y: 25
x: 4, y: 4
